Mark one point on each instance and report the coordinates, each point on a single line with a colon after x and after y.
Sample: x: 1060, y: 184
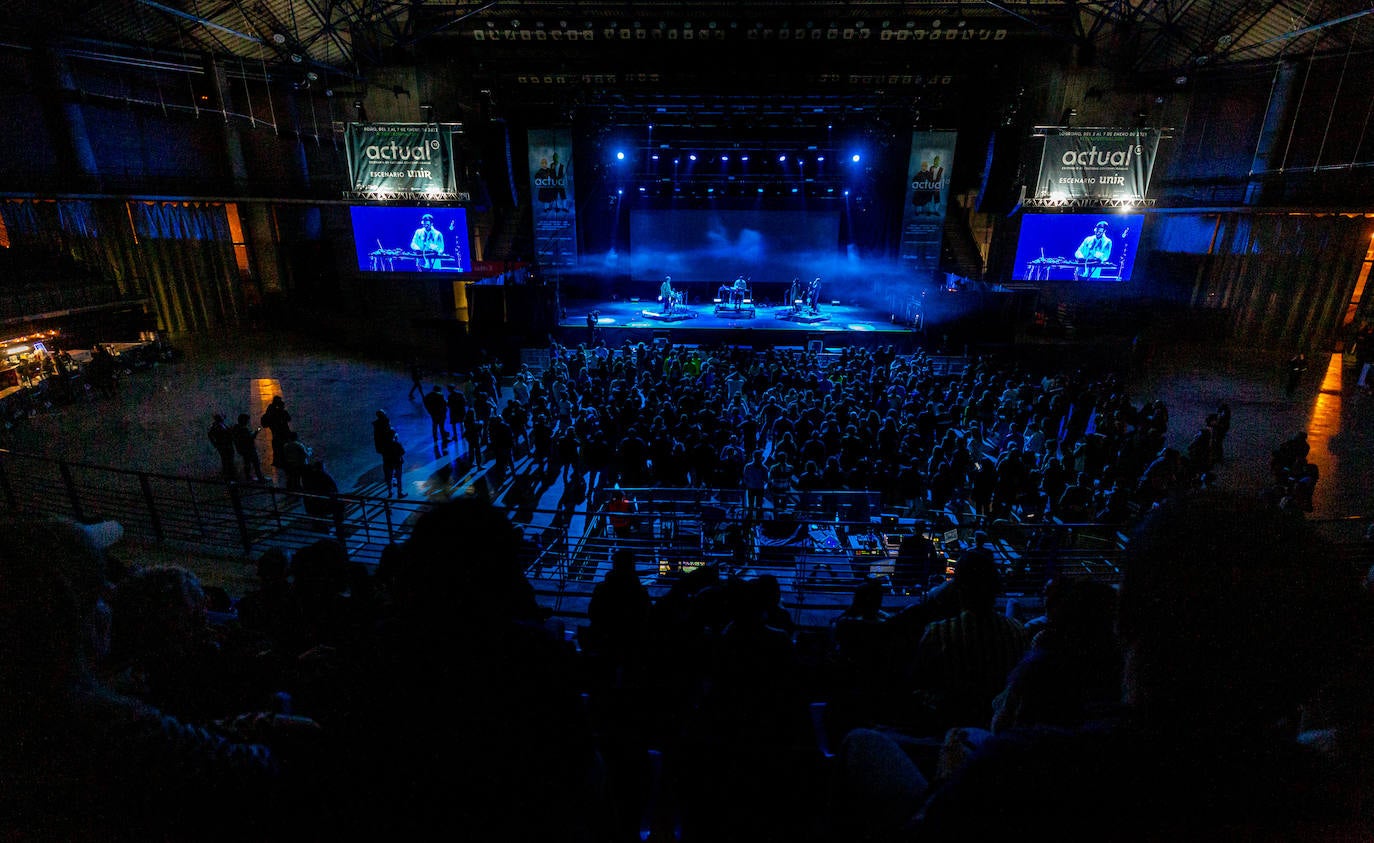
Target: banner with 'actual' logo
x: 402, y: 160
x: 551, y: 191
x: 1097, y: 163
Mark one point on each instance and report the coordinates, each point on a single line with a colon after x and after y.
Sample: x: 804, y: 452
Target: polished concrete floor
x: 158, y: 421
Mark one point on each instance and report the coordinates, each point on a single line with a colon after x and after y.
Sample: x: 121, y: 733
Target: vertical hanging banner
x: 403, y: 161
x: 551, y: 192
x: 1097, y: 163
x: 927, y: 194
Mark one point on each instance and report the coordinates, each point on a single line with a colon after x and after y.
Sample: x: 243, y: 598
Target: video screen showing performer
x: 1095, y: 251
x: 428, y: 245
x: 1077, y: 247
x: 391, y: 238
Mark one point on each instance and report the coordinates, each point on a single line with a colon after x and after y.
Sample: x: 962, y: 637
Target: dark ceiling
x: 349, y: 37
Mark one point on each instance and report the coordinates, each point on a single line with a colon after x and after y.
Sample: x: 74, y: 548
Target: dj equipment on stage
x: 1044, y: 269
x: 735, y: 302
x: 384, y: 260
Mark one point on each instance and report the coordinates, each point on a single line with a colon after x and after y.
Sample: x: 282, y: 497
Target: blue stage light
x: 760, y: 190
x: 846, y: 193
x: 692, y: 157
x: 654, y: 156
x: 744, y: 158
x: 620, y: 191
x: 620, y: 156
x: 854, y: 158
x: 794, y: 190
x: 820, y: 158
x: 725, y: 157
x: 782, y: 158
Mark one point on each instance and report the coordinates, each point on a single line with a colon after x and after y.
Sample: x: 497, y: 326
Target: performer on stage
x: 667, y: 294
x: 1095, y: 251
x: 813, y: 295
x: 796, y: 295
x: 427, y: 244
x: 739, y: 291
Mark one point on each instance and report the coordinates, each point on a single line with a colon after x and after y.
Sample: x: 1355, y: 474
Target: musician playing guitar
x: 1095, y: 252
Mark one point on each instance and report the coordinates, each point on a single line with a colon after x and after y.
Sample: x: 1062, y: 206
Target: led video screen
x: 390, y: 238
x: 1077, y: 247
x: 711, y: 245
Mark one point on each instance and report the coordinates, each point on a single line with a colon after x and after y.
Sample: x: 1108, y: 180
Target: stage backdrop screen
x: 1070, y: 247
x: 390, y: 238
x: 709, y: 245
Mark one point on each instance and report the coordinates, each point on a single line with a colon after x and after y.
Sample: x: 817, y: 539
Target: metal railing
x: 214, y: 516
x: 819, y: 545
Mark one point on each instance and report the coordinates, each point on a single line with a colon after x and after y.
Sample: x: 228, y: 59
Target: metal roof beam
x: 206, y: 22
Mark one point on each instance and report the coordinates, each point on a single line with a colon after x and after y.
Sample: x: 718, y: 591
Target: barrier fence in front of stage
x: 818, y: 545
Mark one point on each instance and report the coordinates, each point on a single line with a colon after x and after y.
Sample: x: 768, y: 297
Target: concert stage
x: 837, y: 325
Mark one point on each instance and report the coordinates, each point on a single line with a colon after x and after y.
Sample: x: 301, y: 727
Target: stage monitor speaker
x: 815, y: 344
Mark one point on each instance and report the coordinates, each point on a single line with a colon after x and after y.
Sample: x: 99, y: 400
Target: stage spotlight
x: 782, y: 159
x: 846, y: 193
x: 854, y: 158
x: 794, y: 190
x: 725, y: 158
x: 620, y: 156
x: 692, y: 157
x: 710, y: 190
x: 642, y: 189
x: 760, y: 190
x: 620, y: 191
x: 744, y: 158
x: 654, y: 156
x: 676, y: 161
x: 820, y: 158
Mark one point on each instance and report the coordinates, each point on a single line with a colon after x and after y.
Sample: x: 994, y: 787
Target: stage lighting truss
x: 1085, y: 202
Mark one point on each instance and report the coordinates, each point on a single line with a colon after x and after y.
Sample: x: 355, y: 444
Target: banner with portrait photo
x: 551, y: 193
x: 927, y: 194
x: 407, y: 161
x: 1097, y: 163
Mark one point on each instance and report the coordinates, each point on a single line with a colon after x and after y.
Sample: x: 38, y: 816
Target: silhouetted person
x: 277, y: 421
x: 1296, y: 366
x: 80, y: 761
x: 222, y: 439
x: 1230, y: 617
x: 246, y: 444
x: 393, y: 461
x: 619, y: 610
x: 437, y: 408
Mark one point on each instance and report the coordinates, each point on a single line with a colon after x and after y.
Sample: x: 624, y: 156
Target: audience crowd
x: 1221, y: 692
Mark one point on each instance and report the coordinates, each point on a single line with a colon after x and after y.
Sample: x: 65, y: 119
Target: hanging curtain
x: 186, y: 257
x: 179, y: 254
x: 1285, y: 278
